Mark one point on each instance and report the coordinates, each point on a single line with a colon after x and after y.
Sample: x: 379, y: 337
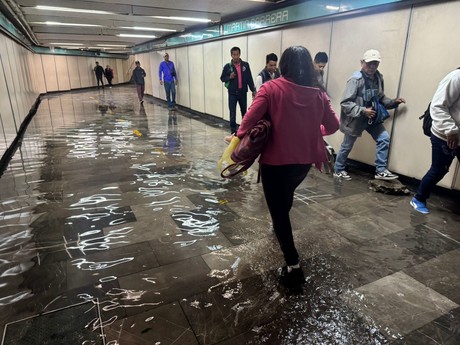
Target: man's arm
x: 250, y: 81
x: 225, y: 75
x: 348, y: 103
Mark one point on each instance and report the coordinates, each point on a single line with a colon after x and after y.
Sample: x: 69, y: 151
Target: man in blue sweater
x: 168, y: 78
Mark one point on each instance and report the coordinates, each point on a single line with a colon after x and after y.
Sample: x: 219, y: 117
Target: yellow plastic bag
x: 226, y: 159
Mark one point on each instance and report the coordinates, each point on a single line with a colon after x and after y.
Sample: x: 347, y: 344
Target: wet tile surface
x: 121, y: 206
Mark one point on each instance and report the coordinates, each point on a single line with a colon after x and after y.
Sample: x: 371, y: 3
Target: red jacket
x: 296, y: 113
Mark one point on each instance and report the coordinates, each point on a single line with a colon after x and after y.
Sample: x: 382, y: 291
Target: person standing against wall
x: 168, y: 78
x: 357, y: 115
x: 320, y: 63
x: 99, y: 71
x: 109, y: 75
x: 445, y: 139
x: 270, y: 71
x: 237, y: 77
x: 138, y: 78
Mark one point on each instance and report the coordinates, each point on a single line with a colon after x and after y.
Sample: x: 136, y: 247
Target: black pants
x: 279, y: 183
x: 99, y: 80
x: 241, y: 98
x: 109, y: 79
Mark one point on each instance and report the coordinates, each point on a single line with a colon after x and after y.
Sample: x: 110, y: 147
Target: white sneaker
x: 385, y: 175
x: 342, y: 175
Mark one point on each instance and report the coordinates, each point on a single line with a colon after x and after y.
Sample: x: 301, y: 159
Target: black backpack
x: 427, y: 120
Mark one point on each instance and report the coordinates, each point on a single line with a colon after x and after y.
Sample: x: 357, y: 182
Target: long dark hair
x: 297, y: 66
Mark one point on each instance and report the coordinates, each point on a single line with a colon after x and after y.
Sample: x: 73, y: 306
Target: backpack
x: 427, y: 120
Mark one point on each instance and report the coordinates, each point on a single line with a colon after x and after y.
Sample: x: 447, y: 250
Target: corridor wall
x: 25, y: 75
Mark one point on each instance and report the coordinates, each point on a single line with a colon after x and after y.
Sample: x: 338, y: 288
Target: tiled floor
x: 121, y: 206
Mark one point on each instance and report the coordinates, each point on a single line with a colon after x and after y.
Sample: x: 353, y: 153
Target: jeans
x: 279, y: 183
x: 233, y: 98
x: 441, y: 159
x: 382, y: 139
x: 140, y: 91
x: 170, y: 89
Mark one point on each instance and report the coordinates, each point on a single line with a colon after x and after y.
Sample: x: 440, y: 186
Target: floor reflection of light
x: 86, y: 265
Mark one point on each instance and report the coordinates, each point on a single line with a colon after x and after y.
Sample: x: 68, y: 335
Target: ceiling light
x: 334, y: 8
x: 64, y: 24
x: 67, y: 44
x: 68, y: 9
x: 139, y: 36
x: 146, y: 29
x: 201, y: 20
x: 112, y: 45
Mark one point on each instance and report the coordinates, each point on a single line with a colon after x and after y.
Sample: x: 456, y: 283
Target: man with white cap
x: 358, y: 113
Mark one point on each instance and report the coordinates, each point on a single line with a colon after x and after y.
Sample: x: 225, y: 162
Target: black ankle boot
x: 291, y: 279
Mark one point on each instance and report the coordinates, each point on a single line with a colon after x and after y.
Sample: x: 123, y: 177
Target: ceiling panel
x: 53, y: 28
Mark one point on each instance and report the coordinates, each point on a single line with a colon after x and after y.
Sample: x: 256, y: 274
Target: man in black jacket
x: 237, y: 77
x: 99, y: 71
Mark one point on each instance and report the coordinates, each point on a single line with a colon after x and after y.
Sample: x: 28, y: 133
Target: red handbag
x: 248, y: 149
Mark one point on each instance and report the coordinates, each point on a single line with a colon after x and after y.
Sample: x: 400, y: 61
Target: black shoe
x: 292, y: 279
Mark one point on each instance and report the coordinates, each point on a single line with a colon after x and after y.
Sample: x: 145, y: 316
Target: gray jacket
x: 352, y: 120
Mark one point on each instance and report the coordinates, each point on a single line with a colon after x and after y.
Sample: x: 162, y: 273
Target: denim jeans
x: 170, y: 89
x: 233, y: 98
x: 382, y: 139
x: 140, y: 91
x: 441, y: 159
x: 279, y: 183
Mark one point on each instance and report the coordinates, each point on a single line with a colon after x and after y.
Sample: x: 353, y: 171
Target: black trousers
x: 279, y: 183
x: 99, y: 80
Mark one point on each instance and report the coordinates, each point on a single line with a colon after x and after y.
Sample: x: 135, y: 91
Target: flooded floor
x: 115, y: 228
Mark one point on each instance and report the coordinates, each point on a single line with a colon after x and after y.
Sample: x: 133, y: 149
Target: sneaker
x: 343, y: 175
x: 385, y: 175
x: 419, y: 206
x: 291, y: 279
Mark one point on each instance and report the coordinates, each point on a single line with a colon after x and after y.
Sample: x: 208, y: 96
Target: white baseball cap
x: 372, y: 55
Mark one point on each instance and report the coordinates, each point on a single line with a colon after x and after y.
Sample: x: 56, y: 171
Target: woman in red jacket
x: 297, y: 107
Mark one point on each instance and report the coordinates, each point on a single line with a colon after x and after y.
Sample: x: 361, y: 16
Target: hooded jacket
x: 352, y: 120
x: 445, y: 107
x: 296, y: 114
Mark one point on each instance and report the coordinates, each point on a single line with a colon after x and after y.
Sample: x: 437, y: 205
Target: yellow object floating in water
x: 139, y: 134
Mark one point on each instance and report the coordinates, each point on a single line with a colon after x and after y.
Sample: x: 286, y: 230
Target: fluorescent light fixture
x: 112, y: 45
x: 67, y: 44
x: 106, y: 48
x: 200, y: 20
x: 146, y: 29
x: 68, y: 9
x: 64, y: 24
x: 139, y: 36
x: 333, y: 8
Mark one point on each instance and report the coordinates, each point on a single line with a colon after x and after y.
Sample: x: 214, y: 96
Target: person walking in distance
x: 109, y: 75
x: 168, y: 78
x: 237, y: 77
x: 99, y: 71
x: 138, y: 78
